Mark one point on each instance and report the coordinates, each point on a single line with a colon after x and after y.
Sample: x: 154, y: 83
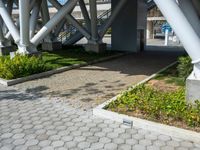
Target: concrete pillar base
x: 51, y: 46
x: 5, y: 50
x: 192, y: 89
x: 96, y: 47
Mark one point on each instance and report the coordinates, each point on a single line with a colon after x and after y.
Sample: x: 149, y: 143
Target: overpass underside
x: 34, y: 26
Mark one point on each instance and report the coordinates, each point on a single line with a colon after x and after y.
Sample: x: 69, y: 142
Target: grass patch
x: 62, y: 58
x: 162, y: 99
x: 22, y: 66
x: 171, y: 76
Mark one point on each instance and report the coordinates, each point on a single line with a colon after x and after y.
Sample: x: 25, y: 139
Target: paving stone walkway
x: 89, y: 86
x: 34, y: 121
x: 33, y: 124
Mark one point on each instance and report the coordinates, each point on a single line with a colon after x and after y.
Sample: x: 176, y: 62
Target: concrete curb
x: 144, y: 124
x: 55, y: 71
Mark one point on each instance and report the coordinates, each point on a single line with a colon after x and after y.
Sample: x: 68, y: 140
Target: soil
x: 161, y: 85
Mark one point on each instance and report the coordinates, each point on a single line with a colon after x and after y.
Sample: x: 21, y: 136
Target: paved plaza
x: 51, y: 113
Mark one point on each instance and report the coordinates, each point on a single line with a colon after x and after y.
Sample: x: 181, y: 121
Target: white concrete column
x: 150, y: 30
x: 183, y: 29
x: 113, y: 16
x: 24, y: 16
x: 166, y: 37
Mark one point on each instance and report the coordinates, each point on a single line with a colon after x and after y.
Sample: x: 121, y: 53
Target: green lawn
x: 61, y: 58
x: 171, y: 76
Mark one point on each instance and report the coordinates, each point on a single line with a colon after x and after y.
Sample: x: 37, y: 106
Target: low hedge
x: 21, y: 66
x: 184, y: 67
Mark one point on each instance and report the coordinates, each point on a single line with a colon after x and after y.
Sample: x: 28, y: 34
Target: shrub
x: 21, y: 66
x: 165, y: 107
x: 109, y: 31
x: 184, y: 67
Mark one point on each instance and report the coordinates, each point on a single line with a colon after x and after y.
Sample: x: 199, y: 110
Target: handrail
x: 70, y: 29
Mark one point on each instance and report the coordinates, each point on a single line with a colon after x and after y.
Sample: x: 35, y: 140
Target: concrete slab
x: 192, y: 89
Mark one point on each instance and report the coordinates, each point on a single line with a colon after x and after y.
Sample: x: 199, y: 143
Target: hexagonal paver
x: 49, y: 125
x: 31, y: 142
x: 104, y: 140
x: 44, y: 143
x: 145, y: 142
x: 187, y: 144
x: 110, y: 146
x: 57, y: 143
x: 139, y: 147
x: 19, y: 142
x: 164, y: 138
x: 84, y: 145
x: 96, y: 146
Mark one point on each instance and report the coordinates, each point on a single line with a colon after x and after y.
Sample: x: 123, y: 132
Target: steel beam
x: 190, y: 13
x: 85, y: 14
x: 71, y: 19
x: 183, y: 29
x: 9, y: 22
x: 49, y: 26
x: 94, y: 21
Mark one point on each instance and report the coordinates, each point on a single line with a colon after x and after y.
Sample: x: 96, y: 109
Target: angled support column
x: 49, y: 26
x: 5, y: 45
x: 85, y: 14
x: 9, y: 22
x: 1, y: 36
x: 71, y: 19
x: 49, y: 43
x: 10, y: 6
x: 191, y: 14
x: 189, y: 39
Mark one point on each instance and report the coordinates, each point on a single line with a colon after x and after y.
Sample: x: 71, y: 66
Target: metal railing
x: 71, y: 30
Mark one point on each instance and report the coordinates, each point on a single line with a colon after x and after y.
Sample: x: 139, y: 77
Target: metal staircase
x: 150, y: 4
x: 71, y: 35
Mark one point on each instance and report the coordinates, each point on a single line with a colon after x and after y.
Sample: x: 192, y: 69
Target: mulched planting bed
x: 162, y: 100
